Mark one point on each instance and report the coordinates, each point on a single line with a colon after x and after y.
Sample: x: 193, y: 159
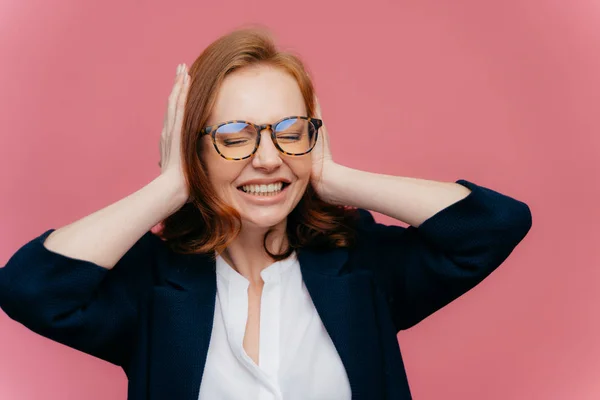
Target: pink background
x: 505, y: 94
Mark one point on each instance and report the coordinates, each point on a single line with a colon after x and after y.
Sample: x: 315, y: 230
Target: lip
x: 265, y: 200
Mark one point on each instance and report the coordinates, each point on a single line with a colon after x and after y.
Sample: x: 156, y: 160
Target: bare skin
x: 252, y: 335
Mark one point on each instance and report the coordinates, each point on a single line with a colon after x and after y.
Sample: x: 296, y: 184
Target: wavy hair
x: 206, y: 224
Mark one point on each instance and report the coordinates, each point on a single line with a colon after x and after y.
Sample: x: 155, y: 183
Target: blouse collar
x: 271, y: 273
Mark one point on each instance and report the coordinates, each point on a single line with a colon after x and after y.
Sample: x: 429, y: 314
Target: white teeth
x: 263, y: 190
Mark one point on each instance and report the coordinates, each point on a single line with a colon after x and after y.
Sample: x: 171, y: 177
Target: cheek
x: 301, y: 167
x: 221, y: 172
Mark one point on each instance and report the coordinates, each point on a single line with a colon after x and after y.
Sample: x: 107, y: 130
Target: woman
x: 268, y: 279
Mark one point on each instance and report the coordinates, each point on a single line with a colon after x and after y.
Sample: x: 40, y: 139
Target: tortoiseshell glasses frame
x: 212, y: 130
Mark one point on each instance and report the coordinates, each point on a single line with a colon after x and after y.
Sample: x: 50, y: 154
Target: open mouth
x: 272, y: 189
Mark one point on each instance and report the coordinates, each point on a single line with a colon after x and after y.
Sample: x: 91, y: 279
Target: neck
x: 247, y: 255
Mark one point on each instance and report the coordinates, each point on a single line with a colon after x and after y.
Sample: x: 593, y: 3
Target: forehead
x: 260, y: 94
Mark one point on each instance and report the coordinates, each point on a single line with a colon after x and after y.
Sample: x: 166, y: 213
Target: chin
x: 263, y: 217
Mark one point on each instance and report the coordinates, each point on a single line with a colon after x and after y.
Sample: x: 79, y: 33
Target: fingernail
x: 178, y: 69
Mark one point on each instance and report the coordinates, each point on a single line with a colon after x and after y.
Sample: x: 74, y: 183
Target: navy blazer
x: 152, y: 313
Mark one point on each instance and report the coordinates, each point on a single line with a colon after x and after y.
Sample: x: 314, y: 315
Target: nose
x: 267, y: 157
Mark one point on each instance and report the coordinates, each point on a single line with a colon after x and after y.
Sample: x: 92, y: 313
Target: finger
x: 161, y: 142
x: 181, y: 101
x: 180, y: 112
x: 317, y: 107
x: 163, y: 132
x: 161, y: 150
x: 172, y: 106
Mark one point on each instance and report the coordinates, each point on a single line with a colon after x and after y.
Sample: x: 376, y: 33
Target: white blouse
x: 297, y: 359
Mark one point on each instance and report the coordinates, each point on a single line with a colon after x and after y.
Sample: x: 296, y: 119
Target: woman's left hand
x: 322, y: 161
x: 410, y: 200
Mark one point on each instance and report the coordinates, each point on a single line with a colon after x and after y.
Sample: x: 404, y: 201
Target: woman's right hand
x: 170, y: 163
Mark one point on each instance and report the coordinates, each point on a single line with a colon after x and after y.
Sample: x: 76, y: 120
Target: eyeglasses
x: 238, y: 140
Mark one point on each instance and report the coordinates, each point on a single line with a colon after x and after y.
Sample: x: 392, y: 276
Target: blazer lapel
x: 344, y: 302
x: 180, y: 327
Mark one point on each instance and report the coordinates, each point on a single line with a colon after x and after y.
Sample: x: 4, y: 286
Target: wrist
x: 173, y: 190
x: 334, y: 184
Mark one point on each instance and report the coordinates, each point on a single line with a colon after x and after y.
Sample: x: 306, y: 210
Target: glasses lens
x: 296, y: 135
x: 236, y: 139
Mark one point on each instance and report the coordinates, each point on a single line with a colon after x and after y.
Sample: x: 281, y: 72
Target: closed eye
x: 235, y: 142
x: 289, y: 137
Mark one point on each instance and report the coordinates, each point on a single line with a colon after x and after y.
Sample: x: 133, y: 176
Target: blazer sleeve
x: 420, y: 270
x: 75, y: 302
